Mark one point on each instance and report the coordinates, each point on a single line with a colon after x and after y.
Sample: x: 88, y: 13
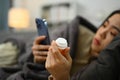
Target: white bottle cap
x: 62, y: 43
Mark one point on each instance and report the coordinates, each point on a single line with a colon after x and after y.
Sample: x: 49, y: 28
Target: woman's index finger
x: 38, y: 39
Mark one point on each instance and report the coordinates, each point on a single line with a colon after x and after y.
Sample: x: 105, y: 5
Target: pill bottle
x: 62, y: 44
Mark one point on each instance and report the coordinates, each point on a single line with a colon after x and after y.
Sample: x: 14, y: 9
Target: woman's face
x: 105, y: 34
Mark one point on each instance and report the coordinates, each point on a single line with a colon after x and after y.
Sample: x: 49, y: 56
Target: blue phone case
x: 42, y: 28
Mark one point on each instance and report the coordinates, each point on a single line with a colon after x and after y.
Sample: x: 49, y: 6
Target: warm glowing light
x: 18, y: 18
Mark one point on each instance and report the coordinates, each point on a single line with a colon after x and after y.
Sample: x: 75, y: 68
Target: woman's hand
x: 57, y: 64
x: 39, y: 51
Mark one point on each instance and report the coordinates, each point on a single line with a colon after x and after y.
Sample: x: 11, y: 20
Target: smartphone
x: 42, y: 29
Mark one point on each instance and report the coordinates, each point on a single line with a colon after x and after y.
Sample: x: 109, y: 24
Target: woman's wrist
x: 66, y: 77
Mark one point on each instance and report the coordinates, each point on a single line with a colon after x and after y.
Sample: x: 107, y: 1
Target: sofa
x: 21, y: 39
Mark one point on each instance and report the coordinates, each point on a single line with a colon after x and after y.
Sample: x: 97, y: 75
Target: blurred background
x: 19, y: 15
x: 17, y: 21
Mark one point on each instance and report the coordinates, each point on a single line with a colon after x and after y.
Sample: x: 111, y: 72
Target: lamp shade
x: 18, y: 18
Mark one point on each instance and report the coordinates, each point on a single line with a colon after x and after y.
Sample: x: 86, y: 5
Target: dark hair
x: 114, y: 12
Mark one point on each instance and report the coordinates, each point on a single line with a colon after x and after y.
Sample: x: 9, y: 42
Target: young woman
x: 103, y: 68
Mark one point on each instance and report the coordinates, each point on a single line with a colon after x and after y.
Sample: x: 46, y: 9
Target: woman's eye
x: 113, y: 34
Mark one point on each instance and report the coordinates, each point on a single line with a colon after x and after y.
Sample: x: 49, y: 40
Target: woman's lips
x: 96, y: 41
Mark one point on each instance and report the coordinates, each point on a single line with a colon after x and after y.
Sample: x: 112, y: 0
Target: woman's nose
x: 103, y: 33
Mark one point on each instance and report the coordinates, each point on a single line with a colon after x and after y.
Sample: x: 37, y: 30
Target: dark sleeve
x: 106, y: 67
